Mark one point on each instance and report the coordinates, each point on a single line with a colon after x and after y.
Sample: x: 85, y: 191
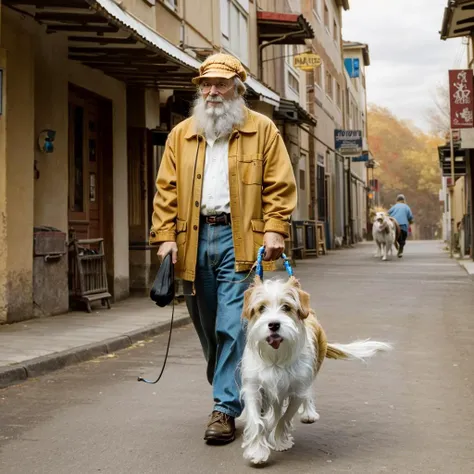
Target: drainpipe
x: 348, y: 211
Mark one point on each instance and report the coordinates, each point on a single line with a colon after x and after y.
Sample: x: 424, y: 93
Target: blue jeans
x: 216, y: 311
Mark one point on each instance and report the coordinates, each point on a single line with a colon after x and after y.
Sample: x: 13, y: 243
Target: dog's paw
x: 308, y: 418
x: 284, y: 443
x: 257, y: 454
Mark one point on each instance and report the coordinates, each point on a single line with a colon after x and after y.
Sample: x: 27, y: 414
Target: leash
x: 152, y: 382
x: 258, y: 266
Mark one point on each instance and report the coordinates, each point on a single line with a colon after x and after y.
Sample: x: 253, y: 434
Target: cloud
x: 408, y: 58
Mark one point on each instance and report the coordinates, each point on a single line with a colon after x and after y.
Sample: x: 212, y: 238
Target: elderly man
x: 401, y: 212
x: 225, y: 188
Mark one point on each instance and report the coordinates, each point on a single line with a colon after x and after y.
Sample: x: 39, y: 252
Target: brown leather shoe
x: 220, y: 429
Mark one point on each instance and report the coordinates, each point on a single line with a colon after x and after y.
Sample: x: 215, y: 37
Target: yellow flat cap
x: 221, y: 66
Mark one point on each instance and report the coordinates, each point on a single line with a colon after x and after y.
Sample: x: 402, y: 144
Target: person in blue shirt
x: 401, y: 212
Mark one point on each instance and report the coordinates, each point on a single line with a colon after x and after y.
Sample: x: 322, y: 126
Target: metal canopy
x: 102, y: 36
x: 444, y: 153
x: 458, y: 19
x: 283, y: 28
x: 291, y: 111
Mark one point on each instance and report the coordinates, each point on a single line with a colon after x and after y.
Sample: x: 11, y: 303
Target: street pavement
x: 408, y: 411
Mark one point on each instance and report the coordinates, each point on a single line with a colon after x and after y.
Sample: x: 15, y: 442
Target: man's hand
x: 166, y: 248
x: 274, y: 244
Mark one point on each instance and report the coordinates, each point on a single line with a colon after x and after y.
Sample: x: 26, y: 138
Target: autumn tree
x: 438, y: 113
x: 409, y: 165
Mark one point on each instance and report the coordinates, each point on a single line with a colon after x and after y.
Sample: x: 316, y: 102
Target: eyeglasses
x: 221, y: 87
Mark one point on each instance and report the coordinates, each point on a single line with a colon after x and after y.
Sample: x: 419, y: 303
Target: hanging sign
x: 461, y: 98
x: 306, y: 61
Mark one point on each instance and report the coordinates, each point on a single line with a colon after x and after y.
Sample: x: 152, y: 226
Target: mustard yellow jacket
x: 262, y: 190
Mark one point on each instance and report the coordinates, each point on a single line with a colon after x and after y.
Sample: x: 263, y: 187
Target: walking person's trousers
x: 216, y: 311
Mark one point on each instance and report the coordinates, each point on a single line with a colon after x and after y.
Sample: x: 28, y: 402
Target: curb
x: 17, y: 373
x: 468, y: 267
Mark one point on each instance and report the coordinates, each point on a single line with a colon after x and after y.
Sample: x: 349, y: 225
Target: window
x: 326, y: 16
x: 293, y: 82
x: 338, y: 95
x: 291, y: 52
x: 234, y: 29
x: 329, y: 85
x: 225, y: 18
x: 318, y: 76
x: 302, y: 180
x: 335, y: 31
x: 173, y: 4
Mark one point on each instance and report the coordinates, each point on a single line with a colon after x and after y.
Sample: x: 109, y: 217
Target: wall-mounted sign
x: 461, y: 91
x: 348, y: 142
x: 361, y: 159
x: 352, y: 66
x: 306, y: 61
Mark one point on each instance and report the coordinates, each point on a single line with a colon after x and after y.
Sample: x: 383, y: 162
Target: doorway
x: 90, y: 154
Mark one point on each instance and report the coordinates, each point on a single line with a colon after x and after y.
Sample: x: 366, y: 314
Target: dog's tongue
x: 274, y: 341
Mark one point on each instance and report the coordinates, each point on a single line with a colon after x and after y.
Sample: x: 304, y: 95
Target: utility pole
x: 349, y: 200
x: 451, y: 193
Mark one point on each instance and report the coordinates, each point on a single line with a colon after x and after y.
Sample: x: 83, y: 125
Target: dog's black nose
x: 274, y: 326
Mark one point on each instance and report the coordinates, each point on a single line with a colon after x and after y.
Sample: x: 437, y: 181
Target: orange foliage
x: 409, y: 164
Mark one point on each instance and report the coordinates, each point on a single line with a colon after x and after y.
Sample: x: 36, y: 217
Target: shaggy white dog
x: 384, y: 232
x: 285, y: 348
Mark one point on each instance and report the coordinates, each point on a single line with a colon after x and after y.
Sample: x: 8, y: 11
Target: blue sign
x: 348, y: 142
x: 352, y: 67
x: 361, y: 158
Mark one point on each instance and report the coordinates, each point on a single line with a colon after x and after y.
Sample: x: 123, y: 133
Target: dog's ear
x: 294, y: 282
x: 247, y: 312
x: 304, y: 303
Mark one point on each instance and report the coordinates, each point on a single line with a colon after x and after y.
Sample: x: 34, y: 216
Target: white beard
x: 218, y: 120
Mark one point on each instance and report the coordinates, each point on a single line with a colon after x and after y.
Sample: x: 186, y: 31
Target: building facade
x: 89, y: 92
x: 356, y: 59
x: 457, y: 23
x: 101, y: 87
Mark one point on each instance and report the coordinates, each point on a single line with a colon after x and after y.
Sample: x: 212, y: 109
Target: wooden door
x: 85, y: 167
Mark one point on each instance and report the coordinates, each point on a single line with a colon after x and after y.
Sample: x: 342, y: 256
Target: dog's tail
x: 360, y: 350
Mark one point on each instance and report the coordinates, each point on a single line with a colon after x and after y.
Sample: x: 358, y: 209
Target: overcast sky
x: 408, y: 59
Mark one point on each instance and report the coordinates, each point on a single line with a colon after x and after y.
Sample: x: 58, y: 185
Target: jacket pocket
x: 258, y: 227
x: 250, y: 168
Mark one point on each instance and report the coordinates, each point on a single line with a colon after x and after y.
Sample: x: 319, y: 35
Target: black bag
x: 162, y: 292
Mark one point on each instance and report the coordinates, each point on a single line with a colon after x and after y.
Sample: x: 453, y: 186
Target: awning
x: 458, y: 19
x: 291, y: 111
x: 283, y: 28
x: 460, y: 168
x: 263, y: 92
x: 101, y: 35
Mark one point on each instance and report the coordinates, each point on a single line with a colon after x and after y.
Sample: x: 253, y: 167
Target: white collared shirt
x: 215, y: 189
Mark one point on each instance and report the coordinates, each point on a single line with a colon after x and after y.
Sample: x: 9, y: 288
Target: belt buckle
x: 211, y: 220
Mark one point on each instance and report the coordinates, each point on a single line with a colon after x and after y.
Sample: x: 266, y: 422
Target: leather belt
x: 219, y: 219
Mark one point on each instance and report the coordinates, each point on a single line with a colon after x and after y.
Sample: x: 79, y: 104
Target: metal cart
x: 88, y: 275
